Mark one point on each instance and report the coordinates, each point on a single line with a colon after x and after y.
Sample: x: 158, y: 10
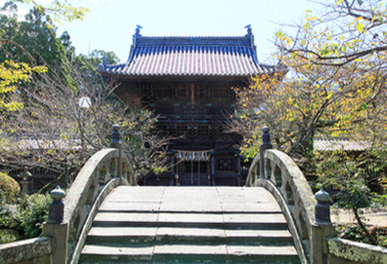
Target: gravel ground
x: 373, y: 218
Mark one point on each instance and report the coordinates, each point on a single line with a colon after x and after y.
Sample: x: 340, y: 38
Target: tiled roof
x: 340, y: 144
x: 191, y: 56
x: 25, y: 141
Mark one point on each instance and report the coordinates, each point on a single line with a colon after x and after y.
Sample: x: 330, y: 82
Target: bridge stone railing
x: 278, y: 173
x: 69, y: 225
x: 33, y: 250
x: 104, y: 171
x: 65, y: 231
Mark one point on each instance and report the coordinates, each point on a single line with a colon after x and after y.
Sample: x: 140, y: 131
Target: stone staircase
x: 189, y: 225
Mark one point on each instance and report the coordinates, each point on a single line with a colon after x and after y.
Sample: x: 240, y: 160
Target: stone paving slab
x: 182, y: 218
x: 258, y: 233
x: 261, y: 250
x: 190, y: 249
x: 144, y: 251
x: 190, y: 200
x: 191, y: 207
x: 130, y: 206
x: 123, y: 231
x: 245, y: 195
x: 250, y: 207
x: 254, y: 218
x: 191, y: 232
x: 126, y: 217
x: 129, y: 193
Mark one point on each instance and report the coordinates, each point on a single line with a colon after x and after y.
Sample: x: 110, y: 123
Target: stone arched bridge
x: 108, y: 219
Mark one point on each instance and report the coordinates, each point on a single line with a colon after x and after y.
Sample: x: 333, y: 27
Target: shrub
x: 9, y: 187
x: 35, y: 214
x: 355, y: 233
x: 24, y: 220
x: 8, y: 235
x: 10, y: 224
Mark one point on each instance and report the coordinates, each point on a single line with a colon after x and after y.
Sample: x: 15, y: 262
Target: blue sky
x: 110, y: 24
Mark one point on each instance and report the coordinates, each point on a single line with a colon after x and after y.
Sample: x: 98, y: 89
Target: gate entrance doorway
x: 193, y: 168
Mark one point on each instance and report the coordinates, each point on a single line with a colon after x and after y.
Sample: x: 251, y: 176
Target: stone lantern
x: 26, y: 180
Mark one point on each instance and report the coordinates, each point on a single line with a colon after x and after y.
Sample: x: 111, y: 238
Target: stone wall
x: 28, y: 251
x: 342, y: 251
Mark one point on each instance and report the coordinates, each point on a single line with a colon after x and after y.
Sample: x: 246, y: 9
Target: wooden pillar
x: 199, y: 171
x: 238, y: 169
x: 213, y: 170
x: 172, y: 157
x: 209, y: 171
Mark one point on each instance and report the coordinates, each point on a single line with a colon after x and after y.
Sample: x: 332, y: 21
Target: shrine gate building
x: 188, y: 82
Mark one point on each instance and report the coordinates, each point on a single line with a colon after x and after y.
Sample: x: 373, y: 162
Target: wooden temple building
x: 188, y: 81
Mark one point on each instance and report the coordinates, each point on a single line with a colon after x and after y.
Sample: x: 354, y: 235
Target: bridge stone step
x: 189, y: 225
x: 234, y: 220
x: 189, y: 254
x: 142, y: 235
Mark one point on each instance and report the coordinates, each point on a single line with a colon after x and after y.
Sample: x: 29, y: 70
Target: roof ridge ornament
x: 253, y: 47
x: 134, y: 43
x: 249, y: 30
x: 104, y: 63
x: 102, y: 66
x: 138, y: 28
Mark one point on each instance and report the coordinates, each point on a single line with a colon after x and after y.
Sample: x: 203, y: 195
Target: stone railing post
x: 116, y: 143
x: 56, y: 228
x: 264, y: 146
x: 321, y: 228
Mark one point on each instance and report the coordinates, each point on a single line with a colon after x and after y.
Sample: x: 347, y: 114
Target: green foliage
x: 335, y: 84
x: 24, y: 220
x: 35, y: 214
x: 10, y: 224
x: 62, y: 10
x: 8, y: 187
x: 36, y: 37
x: 8, y: 235
x: 347, y: 175
x: 12, y: 74
x: 356, y: 233
x: 47, y: 103
x: 339, y: 170
x: 9, y: 217
x: 28, y: 43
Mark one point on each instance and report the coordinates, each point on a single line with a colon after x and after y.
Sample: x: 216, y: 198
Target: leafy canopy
x: 15, y: 71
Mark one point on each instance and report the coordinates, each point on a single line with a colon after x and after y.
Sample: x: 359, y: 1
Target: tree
x: 335, y: 87
x: 349, y: 31
x: 35, y: 37
x: 11, y: 74
x: 350, y: 176
x: 53, y: 131
x: 326, y: 91
x: 14, y: 72
x: 62, y: 10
